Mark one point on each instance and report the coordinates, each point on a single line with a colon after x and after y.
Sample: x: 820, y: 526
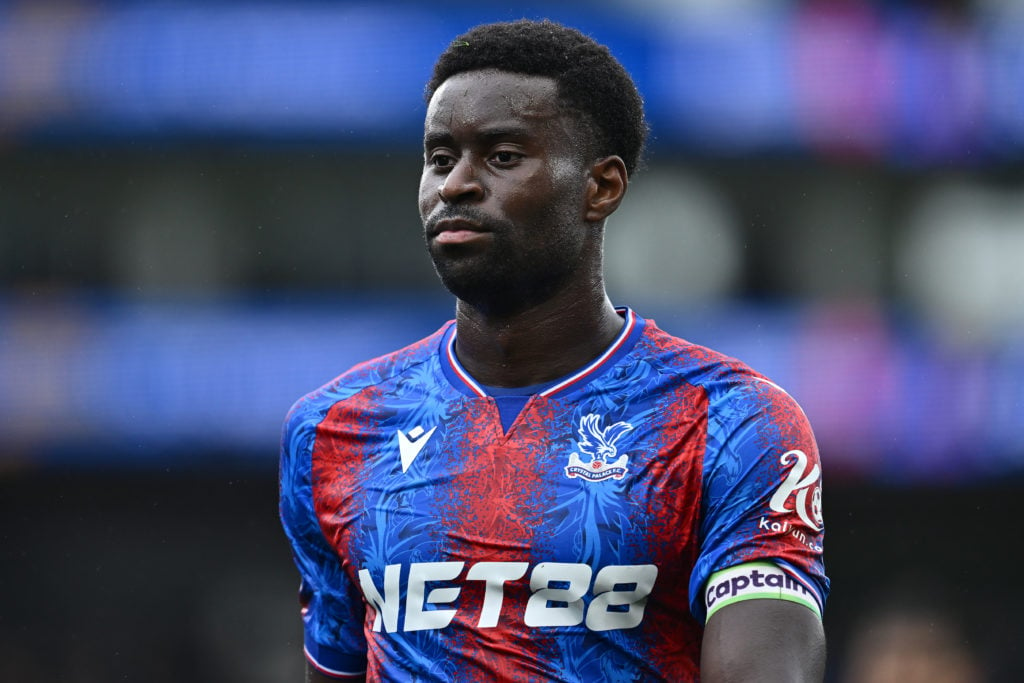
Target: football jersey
x: 574, y: 542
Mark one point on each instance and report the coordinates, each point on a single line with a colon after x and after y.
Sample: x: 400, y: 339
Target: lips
x: 455, y: 230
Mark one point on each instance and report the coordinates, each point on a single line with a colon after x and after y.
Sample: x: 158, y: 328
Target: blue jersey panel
x: 573, y: 542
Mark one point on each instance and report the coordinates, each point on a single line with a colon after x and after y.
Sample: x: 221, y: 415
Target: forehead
x: 481, y: 98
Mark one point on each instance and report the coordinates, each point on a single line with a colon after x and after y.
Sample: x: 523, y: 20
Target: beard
x: 511, y: 270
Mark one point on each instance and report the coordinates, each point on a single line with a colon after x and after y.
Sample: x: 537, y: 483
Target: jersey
x: 573, y: 543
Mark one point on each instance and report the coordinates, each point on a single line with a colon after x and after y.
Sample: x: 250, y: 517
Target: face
x: 503, y: 190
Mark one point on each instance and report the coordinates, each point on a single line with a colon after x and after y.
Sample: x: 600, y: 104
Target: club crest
x: 599, y: 444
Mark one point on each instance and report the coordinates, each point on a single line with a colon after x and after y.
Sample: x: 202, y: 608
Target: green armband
x: 756, y: 581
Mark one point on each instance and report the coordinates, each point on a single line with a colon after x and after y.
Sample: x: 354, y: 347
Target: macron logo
x: 410, y: 445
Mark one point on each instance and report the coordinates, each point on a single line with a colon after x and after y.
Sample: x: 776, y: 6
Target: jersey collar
x: 623, y: 342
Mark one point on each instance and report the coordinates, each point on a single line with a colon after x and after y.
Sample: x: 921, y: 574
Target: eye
x: 440, y: 160
x: 506, y: 157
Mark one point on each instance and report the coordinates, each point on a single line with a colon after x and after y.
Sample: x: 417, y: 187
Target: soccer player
x: 548, y: 487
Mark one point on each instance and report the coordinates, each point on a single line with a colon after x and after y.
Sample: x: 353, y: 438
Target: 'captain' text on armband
x: 757, y: 580
x: 619, y: 594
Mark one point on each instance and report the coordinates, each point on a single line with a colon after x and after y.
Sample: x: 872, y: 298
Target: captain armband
x: 757, y: 580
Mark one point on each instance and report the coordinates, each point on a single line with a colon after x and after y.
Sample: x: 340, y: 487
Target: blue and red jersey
x: 567, y: 533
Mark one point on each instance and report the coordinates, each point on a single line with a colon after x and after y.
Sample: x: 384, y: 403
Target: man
x: 548, y: 488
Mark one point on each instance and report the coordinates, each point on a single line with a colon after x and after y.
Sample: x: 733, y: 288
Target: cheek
x: 563, y: 200
x: 427, y: 196
x: 567, y: 185
x: 547, y: 193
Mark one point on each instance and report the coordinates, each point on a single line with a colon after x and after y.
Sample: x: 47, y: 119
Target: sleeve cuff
x: 334, y: 663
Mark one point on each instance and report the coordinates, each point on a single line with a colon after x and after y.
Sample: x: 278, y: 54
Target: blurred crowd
x: 834, y: 192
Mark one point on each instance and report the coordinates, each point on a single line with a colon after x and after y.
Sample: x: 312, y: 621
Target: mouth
x: 455, y: 230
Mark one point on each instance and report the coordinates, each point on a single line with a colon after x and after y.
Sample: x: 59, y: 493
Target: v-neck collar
x: 622, y: 344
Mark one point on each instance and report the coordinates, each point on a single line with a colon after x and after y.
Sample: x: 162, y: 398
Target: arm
x: 762, y: 537
x: 763, y: 641
x: 314, y: 676
x: 332, y: 611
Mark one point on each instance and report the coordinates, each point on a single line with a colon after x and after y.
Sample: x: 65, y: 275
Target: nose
x: 462, y: 183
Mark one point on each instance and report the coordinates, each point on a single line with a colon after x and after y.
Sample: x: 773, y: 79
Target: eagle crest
x: 600, y: 444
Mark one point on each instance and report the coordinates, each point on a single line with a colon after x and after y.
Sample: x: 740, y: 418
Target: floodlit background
x: 207, y: 209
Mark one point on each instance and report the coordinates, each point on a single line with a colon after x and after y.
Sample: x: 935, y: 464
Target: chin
x: 495, y: 294
x: 500, y: 286
x: 470, y: 284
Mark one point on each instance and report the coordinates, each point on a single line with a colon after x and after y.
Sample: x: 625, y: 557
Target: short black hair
x: 593, y: 86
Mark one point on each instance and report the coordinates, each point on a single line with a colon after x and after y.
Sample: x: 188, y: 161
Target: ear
x: 605, y: 188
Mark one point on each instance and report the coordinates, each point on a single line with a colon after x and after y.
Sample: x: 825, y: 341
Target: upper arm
x: 332, y: 609
x: 314, y: 676
x: 762, y: 505
x: 761, y: 491
x: 764, y: 641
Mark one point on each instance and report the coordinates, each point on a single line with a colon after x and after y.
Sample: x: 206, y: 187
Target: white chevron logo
x: 410, y: 445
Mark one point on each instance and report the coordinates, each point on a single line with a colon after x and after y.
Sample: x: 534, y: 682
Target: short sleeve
x: 761, y: 489
x: 332, y: 611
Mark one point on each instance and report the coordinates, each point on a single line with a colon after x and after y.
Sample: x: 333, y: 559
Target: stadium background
x: 207, y: 209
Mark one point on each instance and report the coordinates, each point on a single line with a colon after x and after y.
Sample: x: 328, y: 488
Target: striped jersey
x: 447, y: 531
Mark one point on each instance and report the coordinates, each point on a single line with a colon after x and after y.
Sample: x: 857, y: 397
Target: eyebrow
x: 438, y: 138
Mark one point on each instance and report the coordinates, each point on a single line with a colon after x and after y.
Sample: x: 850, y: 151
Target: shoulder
x: 382, y: 370
x: 736, y: 395
x: 720, y: 375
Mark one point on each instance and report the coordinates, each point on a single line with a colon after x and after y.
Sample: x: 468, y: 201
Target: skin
x: 513, y: 214
x: 763, y: 640
x: 513, y: 219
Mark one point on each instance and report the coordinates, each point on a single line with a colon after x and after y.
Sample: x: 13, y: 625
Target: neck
x: 538, y: 344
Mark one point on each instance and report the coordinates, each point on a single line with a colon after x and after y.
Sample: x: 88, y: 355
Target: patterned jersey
x: 576, y: 545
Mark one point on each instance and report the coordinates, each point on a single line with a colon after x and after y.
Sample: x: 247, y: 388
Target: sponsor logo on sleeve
x: 803, y: 487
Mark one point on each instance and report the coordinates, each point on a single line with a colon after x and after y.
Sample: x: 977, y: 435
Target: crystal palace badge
x: 599, y: 445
